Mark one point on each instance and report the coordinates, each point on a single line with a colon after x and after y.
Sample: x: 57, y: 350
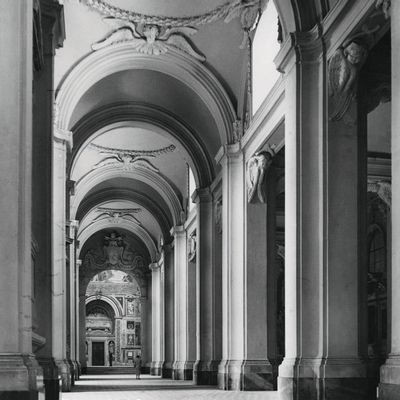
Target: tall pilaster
x: 168, y: 312
x: 62, y: 143
x: 389, y: 388
x: 208, y: 288
x: 233, y: 264
x: 20, y: 375
x: 260, y: 367
x: 157, y: 357
x: 324, y: 184
x: 184, y: 313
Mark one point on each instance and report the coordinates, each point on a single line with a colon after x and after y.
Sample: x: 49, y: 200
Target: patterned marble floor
x: 126, y: 387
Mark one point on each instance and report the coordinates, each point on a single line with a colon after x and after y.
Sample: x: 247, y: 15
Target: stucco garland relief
x: 115, y: 215
x: 149, y: 39
x: 129, y: 159
x: 227, y: 12
x: 257, y: 167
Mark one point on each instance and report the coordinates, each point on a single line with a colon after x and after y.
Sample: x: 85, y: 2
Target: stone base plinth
x: 166, y: 371
x: 21, y: 377
x: 324, y: 379
x: 205, y: 372
x: 156, y: 368
x: 64, y: 371
x: 52, y: 380
x: 247, y: 375
x: 389, y: 386
x: 183, y: 370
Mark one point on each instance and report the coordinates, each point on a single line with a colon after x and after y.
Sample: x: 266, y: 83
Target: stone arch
x: 117, y: 308
x: 137, y: 230
x: 153, y: 179
x: 120, y: 57
x: 151, y: 117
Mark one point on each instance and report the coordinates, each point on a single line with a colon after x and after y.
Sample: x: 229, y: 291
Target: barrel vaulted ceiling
x: 150, y: 102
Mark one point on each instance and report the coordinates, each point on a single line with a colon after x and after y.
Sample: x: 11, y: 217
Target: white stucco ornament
x: 149, y: 38
x: 257, y: 167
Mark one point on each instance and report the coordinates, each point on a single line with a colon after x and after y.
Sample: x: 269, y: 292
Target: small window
x: 377, y: 253
x: 264, y: 49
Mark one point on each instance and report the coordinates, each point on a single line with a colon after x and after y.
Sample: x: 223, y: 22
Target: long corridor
x: 126, y: 387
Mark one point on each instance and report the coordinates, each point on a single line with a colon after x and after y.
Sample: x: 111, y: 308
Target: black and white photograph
x: 196, y: 199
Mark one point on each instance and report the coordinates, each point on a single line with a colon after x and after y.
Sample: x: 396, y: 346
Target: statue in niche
x: 257, y: 167
x: 343, y: 72
x: 149, y: 38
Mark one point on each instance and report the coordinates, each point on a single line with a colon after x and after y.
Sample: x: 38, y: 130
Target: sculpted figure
x: 149, y: 39
x: 343, y: 73
x: 257, y: 166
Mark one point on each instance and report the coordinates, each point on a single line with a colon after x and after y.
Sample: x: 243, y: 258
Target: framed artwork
x: 130, y: 309
x: 130, y: 325
x: 130, y: 339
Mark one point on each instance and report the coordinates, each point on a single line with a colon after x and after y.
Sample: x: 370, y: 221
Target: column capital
x: 177, y: 230
x: 229, y: 151
x: 303, y: 47
x: 64, y: 137
x: 203, y: 195
x: 154, y: 267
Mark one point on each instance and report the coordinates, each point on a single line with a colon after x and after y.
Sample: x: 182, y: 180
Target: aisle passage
x: 126, y: 387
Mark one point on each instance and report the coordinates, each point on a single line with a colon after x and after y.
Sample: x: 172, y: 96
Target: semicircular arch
x: 117, y: 308
x: 120, y: 57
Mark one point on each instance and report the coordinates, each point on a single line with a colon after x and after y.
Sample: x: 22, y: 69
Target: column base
x: 156, y: 368
x: 321, y: 379
x: 205, y: 372
x: 64, y: 370
x: 183, y: 370
x: 52, y: 380
x: 21, y: 377
x: 247, y: 375
x: 166, y: 371
x: 389, y: 386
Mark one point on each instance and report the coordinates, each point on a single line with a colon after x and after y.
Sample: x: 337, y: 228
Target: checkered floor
x: 126, y: 387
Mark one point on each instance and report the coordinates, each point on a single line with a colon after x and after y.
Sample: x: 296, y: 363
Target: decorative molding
x: 37, y: 342
x: 116, y: 214
x: 129, y: 159
x: 238, y: 130
x: 257, y: 167
x: 149, y: 38
x: 383, y: 189
x: 226, y: 11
